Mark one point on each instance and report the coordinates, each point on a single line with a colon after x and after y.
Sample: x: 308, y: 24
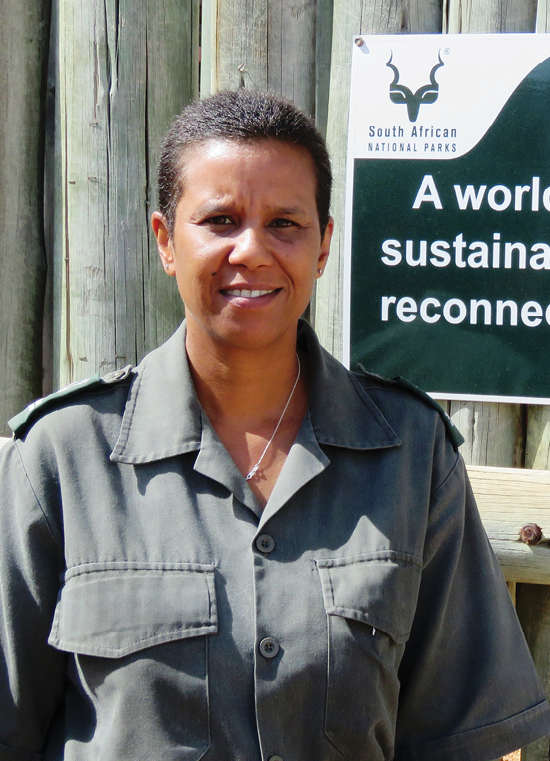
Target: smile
x: 248, y: 294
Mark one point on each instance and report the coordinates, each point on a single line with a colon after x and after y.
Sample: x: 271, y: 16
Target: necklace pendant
x: 252, y: 473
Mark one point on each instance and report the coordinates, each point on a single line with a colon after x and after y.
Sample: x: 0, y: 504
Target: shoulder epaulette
x: 38, y: 407
x: 454, y: 434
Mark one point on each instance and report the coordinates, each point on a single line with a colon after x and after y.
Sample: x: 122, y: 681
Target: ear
x: 164, y: 242
x: 325, y: 247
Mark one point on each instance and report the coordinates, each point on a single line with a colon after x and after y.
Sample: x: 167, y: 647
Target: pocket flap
x: 114, y: 609
x: 379, y: 589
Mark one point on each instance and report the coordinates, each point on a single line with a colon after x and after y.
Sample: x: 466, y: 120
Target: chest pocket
x: 370, y: 602
x: 137, y: 633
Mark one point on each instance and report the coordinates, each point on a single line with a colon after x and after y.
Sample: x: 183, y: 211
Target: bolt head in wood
x: 531, y: 534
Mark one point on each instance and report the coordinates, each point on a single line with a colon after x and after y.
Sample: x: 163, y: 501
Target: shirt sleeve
x: 469, y: 689
x: 32, y: 673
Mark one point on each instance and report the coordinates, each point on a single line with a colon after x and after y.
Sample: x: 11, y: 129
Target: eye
x: 221, y: 220
x: 281, y: 223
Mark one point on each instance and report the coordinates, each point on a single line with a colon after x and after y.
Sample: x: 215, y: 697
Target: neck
x: 243, y: 386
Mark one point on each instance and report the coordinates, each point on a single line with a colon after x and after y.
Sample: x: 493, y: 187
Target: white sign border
x: 346, y: 296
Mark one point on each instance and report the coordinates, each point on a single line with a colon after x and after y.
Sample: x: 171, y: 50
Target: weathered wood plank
x: 278, y: 51
x: 52, y: 173
x: 493, y: 432
x: 24, y: 42
x: 489, y: 16
x: 125, y: 69
x: 508, y: 498
x: 323, y: 44
x: 543, y: 16
x: 537, y: 446
x: 241, y: 44
x: 352, y: 17
x: 533, y: 608
x: 209, y: 55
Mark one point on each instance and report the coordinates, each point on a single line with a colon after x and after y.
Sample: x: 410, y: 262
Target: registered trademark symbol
x: 447, y: 51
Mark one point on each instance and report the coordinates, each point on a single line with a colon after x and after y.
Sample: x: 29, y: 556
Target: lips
x: 248, y: 294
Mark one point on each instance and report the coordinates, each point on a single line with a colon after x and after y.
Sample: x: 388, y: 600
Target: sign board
x: 447, y: 269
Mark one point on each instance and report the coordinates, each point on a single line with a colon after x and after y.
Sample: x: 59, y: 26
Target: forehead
x: 241, y: 162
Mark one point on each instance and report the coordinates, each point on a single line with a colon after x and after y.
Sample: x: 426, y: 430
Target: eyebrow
x: 221, y: 207
x: 290, y: 210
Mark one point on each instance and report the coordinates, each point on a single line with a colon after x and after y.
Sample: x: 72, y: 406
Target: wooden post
x: 355, y: 17
x: 278, y: 51
x: 489, y: 16
x: 126, y: 67
x: 543, y: 16
x: 533, y: 600
x: 24, y: 41
x: 533, y: 607
x: 493, y: 433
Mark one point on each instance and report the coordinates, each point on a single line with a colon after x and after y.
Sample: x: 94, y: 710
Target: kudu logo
x: 425, y: 94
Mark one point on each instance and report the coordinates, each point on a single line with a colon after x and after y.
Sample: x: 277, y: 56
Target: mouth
x: 248, y: 294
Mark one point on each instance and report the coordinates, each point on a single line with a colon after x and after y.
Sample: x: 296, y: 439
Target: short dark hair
x: 246, y: 116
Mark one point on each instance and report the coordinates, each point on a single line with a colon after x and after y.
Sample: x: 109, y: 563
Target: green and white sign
x: 447, y: 275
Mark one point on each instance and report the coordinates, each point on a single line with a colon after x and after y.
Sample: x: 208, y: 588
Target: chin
x: 251, y: 337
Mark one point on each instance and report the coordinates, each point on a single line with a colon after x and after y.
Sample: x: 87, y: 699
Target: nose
x: 250, y: 249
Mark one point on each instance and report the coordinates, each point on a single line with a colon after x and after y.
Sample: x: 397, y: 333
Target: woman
x: 240, y: 550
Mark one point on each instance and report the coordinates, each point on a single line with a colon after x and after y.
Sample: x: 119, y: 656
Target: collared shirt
x: 149, y: 611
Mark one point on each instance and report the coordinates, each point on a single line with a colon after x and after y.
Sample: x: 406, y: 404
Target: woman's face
x: 247, y: 246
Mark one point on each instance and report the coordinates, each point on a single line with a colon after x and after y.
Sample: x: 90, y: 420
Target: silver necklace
x: 255, y: 468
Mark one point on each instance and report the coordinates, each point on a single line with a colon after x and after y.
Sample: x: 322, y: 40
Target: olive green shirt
x: 150, y: 611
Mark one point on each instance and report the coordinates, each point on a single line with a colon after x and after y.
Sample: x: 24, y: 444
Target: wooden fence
x: 88, y: 88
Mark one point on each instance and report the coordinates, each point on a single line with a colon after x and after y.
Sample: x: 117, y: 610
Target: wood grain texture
x: 537, y: 446
x: 209, y: 55
x: 24, y: 42
x: 489, y: 16
x: 352, y: 17
x: 508, y: 498
x: 323, y: 45
x: 533, y: 608
x: 125, y: 69
x: 542, y: 23
x: 265, y: 44
x: 241, y: 44
x: 493, y: 432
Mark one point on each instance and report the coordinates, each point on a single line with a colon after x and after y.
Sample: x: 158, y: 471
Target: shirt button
x: 265, y: 543
x: 269, y: 647
x: 275, y: 758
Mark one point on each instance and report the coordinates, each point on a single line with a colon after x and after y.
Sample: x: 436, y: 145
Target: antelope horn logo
x: 426, y: 94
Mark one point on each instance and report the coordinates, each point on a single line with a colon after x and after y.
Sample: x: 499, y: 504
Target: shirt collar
x: 162, y: 416
x: 342, y: 412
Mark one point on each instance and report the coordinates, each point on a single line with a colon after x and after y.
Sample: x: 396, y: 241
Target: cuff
x: 484, y: 743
